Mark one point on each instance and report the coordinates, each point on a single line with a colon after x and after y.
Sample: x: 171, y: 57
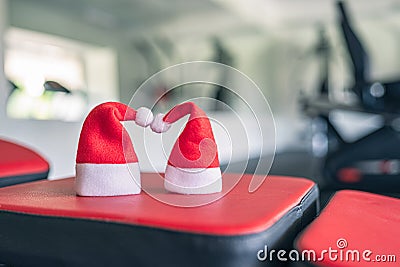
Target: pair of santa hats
x: 107, y: 165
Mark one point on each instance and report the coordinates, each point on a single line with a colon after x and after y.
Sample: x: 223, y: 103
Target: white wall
x: 3, y: 92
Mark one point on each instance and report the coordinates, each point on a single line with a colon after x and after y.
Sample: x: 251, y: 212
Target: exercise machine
x: 372, y: 162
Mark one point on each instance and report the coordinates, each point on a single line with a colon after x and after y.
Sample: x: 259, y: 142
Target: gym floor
x: 296, y: 163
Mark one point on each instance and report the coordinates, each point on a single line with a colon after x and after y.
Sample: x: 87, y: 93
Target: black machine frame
x: 373, y: 162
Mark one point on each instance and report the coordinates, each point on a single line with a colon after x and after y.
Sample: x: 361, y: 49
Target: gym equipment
x: 19, y: 164
x: 376, y: 96
x: 352, y: 224
x: 372, y: 162
x: 45, y: 224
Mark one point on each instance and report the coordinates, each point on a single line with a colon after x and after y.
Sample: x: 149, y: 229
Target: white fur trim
x: 193, y: 180
x: 144, y: 117
x: 107, y: 179
x: 159, y: 125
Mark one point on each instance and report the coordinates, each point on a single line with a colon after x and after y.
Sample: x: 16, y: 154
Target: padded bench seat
x: 44, y: 223
x: 354, y: 223
x: 19, y: 164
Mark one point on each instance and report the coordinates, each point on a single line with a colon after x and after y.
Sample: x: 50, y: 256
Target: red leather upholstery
x: 20, y: 163
x: 355, y: 220
x: 238, y: 213
x: 45, y: 223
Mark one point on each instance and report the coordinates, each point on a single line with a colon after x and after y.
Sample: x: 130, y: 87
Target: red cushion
x: 239, y: 212
x: 363, y: 221
x: 16, y: 160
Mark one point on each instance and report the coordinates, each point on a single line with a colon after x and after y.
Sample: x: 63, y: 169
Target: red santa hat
x: 106, y: 163
x: 193, y: 166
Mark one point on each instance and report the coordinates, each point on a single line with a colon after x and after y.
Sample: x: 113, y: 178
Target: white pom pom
x: 158, y: 125
x: 144, y: 117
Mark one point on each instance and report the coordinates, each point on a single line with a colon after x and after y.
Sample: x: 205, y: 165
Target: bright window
x: 50, y: 77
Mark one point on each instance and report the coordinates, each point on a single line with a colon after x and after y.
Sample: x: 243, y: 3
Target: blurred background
x: 60, y: 58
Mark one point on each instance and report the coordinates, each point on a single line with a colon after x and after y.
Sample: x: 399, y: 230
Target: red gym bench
x: 44, y: 223
x: 362, y: 227
x: 19, y: 164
